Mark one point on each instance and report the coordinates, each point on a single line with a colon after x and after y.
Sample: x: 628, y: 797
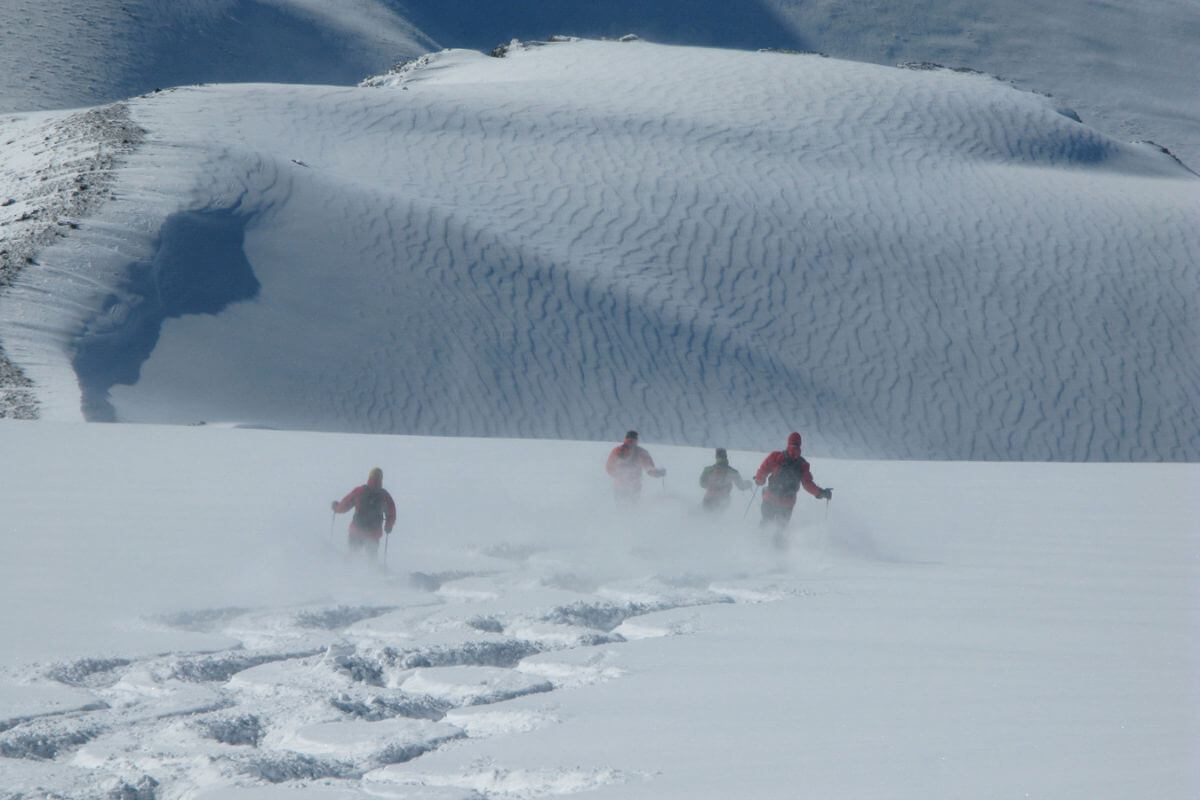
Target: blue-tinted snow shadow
x: 198, y: 267
x: 255, y: 41
x: 483, y: 24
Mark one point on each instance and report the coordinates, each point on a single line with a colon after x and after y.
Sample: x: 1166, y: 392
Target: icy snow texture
x: 711, y: 246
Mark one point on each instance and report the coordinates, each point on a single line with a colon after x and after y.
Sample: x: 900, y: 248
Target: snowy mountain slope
x: 1127, y: 68
x: 55, y: 55
x: 179, y: 622
x: 712, y: 246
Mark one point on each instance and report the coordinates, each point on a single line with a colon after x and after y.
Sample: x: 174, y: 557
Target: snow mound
x: 385, y: 742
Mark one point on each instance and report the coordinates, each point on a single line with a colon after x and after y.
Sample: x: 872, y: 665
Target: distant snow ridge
x: 714, y: 247
x: 66, y: 55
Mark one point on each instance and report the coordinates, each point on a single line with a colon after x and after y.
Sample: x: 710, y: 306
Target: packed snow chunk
x: 236, y: 730
x: 389, y: 741
x: 670, y: 622
x: 483, y: 721
x: 141, y: 691
x: 299, y: 676
x: 48, y: 738
x: 398, y: 625
x: 468, y: 589
x: 390, y: 664
x: 643, y: 628
x: 573, y: 668
x: 220, y: 667
x: 21, y: 778
x: 554, y: 636
x: 468, y: 686
x: 21, y: 701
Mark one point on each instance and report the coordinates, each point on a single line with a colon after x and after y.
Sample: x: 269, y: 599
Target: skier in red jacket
x: 784, y: 472
x: 374, y: 514
x: 626, y: 463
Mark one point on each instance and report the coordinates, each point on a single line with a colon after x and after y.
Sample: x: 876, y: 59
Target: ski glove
x: 826, y: 494
x: 387, y: 529
x: 657, y: 473
x: 333, y: 505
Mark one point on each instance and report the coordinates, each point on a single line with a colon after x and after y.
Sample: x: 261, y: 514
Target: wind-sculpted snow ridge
x: 58, y: 168
x: 578, y: 238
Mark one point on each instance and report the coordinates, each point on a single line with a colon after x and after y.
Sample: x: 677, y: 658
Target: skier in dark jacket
x: 374, y: 513
x: 625, y: 464
x: 784, y: 472
x: 718, y: 481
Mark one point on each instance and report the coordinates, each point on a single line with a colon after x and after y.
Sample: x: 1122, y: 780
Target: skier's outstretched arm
x: 348, y: 502
x: 648, y: 464
x: 810, y: 486
x: 768, y: 466
x: 739, y: 481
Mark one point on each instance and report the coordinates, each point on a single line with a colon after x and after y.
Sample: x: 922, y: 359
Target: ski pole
x: 752, y: 496
x: 332, y: 520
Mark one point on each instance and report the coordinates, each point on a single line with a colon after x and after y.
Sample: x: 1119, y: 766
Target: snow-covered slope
x: 712, y: 246
x: 1127, y: 68
x: 178, y: 623
x: 56, y: 55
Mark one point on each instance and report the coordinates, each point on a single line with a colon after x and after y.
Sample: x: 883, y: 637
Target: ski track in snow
x: 325, y: 696
x: 713, y: 247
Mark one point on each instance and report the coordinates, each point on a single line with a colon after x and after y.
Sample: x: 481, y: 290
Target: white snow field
x: 712, y: 246
x: 180, y: 622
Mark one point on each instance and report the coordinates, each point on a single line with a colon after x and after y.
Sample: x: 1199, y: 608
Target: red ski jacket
x: 783, y: 476
x: 626, y: 463
x: 374, y: 510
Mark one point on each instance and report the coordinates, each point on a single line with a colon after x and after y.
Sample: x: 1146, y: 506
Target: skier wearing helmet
x: 784, y: 472
x: 374, y: 514
x: 625, y: 465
